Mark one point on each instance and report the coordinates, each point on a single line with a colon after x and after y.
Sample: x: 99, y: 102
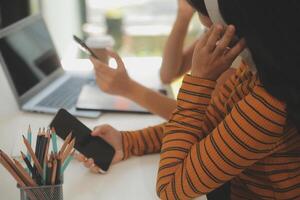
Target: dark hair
x: 199, y: 5
x: 272, y: 32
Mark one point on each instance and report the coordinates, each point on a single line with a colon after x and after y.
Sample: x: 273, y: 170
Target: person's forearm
x: 173, y: 52
x: 153, y: 101
x: 143, y: 141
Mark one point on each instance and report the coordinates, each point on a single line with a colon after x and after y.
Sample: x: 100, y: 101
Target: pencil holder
x: 47, y: 192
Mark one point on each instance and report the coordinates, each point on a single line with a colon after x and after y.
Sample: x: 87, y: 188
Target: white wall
x: 8, y: 104
x: 63, y: 20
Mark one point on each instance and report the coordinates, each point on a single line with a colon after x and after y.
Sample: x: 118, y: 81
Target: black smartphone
x: 84, y: 47
x: 91, y: 147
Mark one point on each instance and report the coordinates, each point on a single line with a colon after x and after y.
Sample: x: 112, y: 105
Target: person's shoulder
x: 263, y: 109
x: 267, y: 103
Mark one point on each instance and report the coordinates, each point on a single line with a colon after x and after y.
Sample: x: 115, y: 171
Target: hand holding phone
x: 84, y: 47
x: 91, y: 147
x: 113, y: 137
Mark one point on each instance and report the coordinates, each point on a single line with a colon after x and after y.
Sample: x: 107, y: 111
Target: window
x: 140, y: 27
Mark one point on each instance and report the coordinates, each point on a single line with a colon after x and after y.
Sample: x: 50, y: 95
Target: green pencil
x: 67, y: 162
x: 29, y: 138
x: 54, y: 141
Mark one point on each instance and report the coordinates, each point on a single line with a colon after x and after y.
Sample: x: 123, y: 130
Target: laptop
x: 34, y: 72
x: 92, y: 98
x: 144, y: 70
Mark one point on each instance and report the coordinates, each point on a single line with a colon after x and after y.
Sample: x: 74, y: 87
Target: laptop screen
x: 29, y: 55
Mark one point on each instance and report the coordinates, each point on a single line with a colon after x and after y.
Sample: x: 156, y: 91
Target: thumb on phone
x: 100, y: 131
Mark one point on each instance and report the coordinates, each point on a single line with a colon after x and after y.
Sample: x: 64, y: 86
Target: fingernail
x: 219, y: 26
x: 231, y: 28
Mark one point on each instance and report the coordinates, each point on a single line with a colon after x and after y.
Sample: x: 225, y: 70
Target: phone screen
x: 91, y: 147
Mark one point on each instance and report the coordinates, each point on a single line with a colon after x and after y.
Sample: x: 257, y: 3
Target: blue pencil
x: 67, y: 162
x: 29, y: 138
x: 54, y: 141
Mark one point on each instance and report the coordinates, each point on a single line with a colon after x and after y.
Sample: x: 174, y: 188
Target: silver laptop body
x: 33, y: 69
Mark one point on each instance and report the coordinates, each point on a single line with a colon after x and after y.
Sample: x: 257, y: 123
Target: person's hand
x: 185, y: 10
x: 109, y: 80
x: 212, y: 56
x: 110, y: 135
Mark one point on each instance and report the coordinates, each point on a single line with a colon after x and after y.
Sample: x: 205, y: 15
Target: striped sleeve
x: 140, y: 142
x: 149, y: 140
x: 190, y: 168
x: 192, y: 101
x: 133, y: 140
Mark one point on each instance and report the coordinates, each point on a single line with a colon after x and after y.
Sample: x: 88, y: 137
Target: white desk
x: 132, y: 179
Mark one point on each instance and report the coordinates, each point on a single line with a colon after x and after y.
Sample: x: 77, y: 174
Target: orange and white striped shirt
x: 205, y: 144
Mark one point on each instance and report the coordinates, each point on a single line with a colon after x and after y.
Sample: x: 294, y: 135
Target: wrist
x: 125, y: 145
x: 184, y: 14
x: 203, y: 75
x: 198, y: 81
x: 183, y: 20
x: 131, y: 90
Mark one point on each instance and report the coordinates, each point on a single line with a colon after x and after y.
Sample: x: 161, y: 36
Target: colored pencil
x: 54, y: 170
x: 35, y: 160
x: 65, y: 144
x: 54, y: 140
x: 68, y: 150
x: 28, y: 164
x: 12, y: 171
x: 67, y: 162
x: 24, y: 174
x: 29, y: 137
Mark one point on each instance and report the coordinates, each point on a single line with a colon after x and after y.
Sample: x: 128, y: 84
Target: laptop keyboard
x: 66, y: 95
